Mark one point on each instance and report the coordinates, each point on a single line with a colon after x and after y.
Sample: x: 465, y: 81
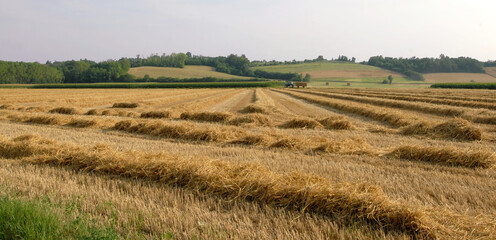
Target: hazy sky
x: 36, y: 30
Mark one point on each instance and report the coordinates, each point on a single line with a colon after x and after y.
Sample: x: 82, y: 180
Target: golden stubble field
x: 259, y: 163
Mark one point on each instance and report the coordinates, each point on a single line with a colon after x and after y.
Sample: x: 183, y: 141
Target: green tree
x: 390, y: 79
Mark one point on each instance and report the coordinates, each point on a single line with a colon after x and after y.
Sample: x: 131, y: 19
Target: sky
x: 56, y: 30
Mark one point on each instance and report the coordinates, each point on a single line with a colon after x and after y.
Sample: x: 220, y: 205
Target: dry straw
x: 93, y: 112
x: 44, y: 120
x: 207, y: 116
x: 453, y: 129
x: 289, y: 142
x: 261, y: 139
x: 301, y: 123
x: 255, y: 119
x: 176, y: 131
x: 421, y: 107
x: 347, y: 146
x: 337, y: 123
x: 82, y: 123
x: 240, y: 181
x: 156, y: 114
x: 7, y: 107
x: 369, y: 111
x: 447, y: 156
x: 64, y: 110
x: 253, y: 108
x: 125, y: 105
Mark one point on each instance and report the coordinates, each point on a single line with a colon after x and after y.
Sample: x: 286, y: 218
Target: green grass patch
x: 41, y: 219
x: 165, y: 85
x: 465, y: 85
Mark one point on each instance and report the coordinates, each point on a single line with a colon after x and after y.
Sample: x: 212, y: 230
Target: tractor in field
x: 289, y: 84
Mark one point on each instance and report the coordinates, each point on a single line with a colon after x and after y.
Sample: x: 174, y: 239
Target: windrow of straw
x: 366, y: 111
x: 207, y: 116
x: 64, y: 110
x: 254, y: 119
x: 252, y: 108
x: 156, y: 114
x: 422, y: 94
x: 453, y: 129
x: 125, y: 105
x: 82, y: 123
x: 301, y: 123
x: 246, y: 181
x: 112, y: 112
x: 484, y: 120
x: 447, y: 156
x: 60, y: 120
x: 457, y: 103
x: 352, y: 146
x: 7, y: 107
x: 337, y: 123
x: 176, y: 131
x: 44, y: 120
x: 420, y: 107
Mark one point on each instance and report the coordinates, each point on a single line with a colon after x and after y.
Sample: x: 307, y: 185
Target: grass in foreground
x: 41, y: 219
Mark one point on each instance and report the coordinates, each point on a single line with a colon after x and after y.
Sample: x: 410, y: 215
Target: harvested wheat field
x: 257, y: 163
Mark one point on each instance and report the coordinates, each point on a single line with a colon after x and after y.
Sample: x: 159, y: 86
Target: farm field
x: 491, y: 71
x: 259, y: 163
x: 186, y: 72
x: 338, y: 74
x: 459, y: 77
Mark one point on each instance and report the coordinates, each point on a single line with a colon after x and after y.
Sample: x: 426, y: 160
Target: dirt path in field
x: 234, y: 104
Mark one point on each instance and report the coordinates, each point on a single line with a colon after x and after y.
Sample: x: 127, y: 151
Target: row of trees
x: 490, y: 64
x: 414, y: 67
x: 85, y: 71
x: 176, y: 60
x: 27, y: 73
x: 341, y: 58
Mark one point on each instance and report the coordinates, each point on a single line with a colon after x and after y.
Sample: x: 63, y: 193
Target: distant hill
x: 491, y: 71
x: 460, y: 77
x: 332, y: 70
x: 186, y: 72
x: 338, y: 72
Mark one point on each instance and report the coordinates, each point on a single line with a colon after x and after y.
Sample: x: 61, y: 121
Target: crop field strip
x: 400, y: 165
x: 461, y: 103
x: 473, y: 115
x: 483, y: 95
x: 405, y: 122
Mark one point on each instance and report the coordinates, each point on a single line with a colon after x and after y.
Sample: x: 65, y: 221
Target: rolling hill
x: 337, y: 73
x: 186, y: 72
x: 491, y: 71
x: 458, y: 77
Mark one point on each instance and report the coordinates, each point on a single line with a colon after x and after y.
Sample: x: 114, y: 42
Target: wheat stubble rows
x: 259, y: 163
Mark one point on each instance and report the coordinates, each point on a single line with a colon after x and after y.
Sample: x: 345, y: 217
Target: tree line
x: 414, y: 67
x: 28, y: 73
x: 341, y: 58
x: 85, y: 71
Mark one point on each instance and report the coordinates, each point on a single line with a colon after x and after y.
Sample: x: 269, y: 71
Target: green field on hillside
x: 338, y: 74
x: 186, y: 72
